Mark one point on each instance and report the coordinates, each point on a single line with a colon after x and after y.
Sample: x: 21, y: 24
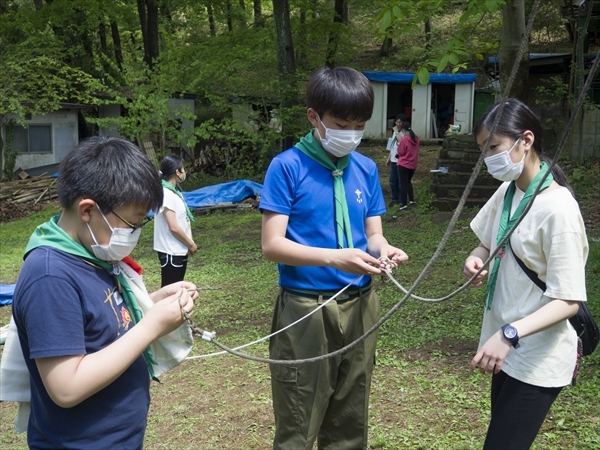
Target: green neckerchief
x: 313, y: 149
x: 49, y: 234
x: 506, y: 223
x: 177, y: 192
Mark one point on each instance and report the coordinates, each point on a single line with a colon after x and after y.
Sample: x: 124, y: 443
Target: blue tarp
x: 6, y: 293
x: 407, y: 77
x: 232, y: 192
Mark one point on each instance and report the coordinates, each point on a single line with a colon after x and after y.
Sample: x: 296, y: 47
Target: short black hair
x: 342, y: 92
x: 111, y: 171
x: 169, y: 165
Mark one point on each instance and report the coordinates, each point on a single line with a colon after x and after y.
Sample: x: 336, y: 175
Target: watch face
x: 510, y: 332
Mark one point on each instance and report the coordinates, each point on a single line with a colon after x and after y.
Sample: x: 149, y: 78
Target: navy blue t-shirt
x: 64, y: 306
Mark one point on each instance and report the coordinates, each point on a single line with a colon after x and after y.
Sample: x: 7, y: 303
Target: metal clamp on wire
x: 208, y: 335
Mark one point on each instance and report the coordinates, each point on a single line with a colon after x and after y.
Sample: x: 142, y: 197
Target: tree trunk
x: 116, y: 37
x: 211, y: 19
x: 148, y: 13
x: 152, y: 30
x: 302, y: 41
x: 286, y: 63
x: 102, y: 35
x: 513, y: 31
x: 428, y: 33
x: 334, y: 35
x: 258, y: 18
x: 229, y: 18
x: 386, y: 47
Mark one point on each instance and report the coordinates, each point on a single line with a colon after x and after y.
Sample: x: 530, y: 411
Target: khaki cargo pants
x: 327, y: 400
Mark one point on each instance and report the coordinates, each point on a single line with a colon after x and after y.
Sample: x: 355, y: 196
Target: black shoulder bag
x: 583, y: 322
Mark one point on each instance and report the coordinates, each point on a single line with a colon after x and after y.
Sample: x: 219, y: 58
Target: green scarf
x: 313, y: 149
x: 177, y: 192
x: 506, y: 223
x: 49, y: 234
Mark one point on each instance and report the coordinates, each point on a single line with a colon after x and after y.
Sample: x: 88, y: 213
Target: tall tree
x: 513, y: 33
x: 211, y: 18
x: 148, y: 13
x: 116, y: 37
x: 340, y: 10
x: 258, y: 17
x: 286, y: 62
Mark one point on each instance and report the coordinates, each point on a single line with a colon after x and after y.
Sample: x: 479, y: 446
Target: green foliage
x: 455, y: 51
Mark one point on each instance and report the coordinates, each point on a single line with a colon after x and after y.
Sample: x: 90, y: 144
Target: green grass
x: 423, y: 394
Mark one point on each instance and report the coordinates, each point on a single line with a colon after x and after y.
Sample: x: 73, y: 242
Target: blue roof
x: 494, y: 59
x: 407, y: 77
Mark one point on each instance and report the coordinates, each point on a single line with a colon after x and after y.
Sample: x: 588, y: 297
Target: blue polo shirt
x: 299, y: 187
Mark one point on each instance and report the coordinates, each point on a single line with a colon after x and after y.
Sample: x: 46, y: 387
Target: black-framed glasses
x: 137, y: 226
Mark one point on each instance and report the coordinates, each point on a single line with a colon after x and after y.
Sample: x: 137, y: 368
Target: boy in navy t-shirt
x: 83, y: 338
x: 321, y: 205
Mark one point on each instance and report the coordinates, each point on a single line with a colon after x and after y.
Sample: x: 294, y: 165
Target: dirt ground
x: 226, y: 404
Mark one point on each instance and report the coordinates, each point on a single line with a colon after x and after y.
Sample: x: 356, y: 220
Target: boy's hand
x: 472, y: 265
x: 166, y: 315
x: 171, y: 289
x: 353, y: 260
x: 391, y: 256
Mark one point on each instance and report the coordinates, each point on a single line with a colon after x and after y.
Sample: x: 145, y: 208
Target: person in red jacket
x: 408, y: 154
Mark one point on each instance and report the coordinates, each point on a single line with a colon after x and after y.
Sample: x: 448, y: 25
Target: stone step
x: 460, y: 142
x: 450, y: 204
x: 456, y: 191
x: 455, y: 165
x: 462, y: 155
x: 462, y: 178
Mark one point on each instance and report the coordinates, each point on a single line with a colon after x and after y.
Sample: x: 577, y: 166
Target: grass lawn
x: 423, y: 395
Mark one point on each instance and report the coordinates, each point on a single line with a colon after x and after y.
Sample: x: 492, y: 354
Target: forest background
x: 141, y: 53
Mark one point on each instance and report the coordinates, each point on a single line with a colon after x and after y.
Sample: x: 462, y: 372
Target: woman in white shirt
x: 172, y: 225
x: 526, y: 341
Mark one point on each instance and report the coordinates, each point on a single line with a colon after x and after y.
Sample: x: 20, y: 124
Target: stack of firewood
x: 29, y: 190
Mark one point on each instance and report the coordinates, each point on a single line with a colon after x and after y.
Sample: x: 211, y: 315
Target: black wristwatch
x: 511, y: 334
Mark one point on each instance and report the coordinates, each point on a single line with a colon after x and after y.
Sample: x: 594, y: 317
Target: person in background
x: 172, y: 226
x: 392, y: 159
x: 526, y: 341
x: 84, y: 340
x: 322, y: 204
x: 408, y: 155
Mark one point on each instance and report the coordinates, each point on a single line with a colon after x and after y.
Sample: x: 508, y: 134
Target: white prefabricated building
x: 448, y: 99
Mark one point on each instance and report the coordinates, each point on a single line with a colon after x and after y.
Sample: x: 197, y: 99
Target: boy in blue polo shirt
x: 321, y: 206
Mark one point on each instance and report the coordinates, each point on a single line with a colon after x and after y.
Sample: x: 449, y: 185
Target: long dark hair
x: 516, y: 119
x: 406, y: 128
x: 169, y: 165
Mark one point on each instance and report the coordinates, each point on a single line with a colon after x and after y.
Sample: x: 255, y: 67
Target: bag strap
x: 539, y: 283
x: 530, y: 273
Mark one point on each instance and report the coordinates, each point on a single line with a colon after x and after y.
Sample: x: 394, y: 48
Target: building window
x: 33, y: 139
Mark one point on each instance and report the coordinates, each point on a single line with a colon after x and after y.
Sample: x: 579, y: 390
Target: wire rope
x: 409, y: 293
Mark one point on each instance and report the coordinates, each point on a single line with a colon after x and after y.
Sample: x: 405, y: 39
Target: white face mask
x: 182, y: 179
x: 121, y: 244
x: 501, y: 167
x: 340, y: 142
